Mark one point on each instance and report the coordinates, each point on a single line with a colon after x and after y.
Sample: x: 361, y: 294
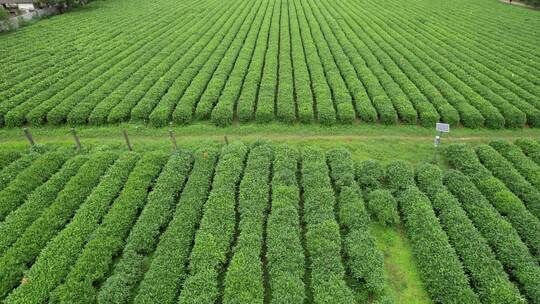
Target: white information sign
x: 442, y: 127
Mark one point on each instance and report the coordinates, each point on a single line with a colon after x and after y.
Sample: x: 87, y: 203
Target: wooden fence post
x: 173, y: 139
x: 29, y: 137
x: 126, y: 137
x: 76, y: 138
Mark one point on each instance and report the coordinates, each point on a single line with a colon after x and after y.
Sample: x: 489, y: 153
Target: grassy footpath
x: 400, y: 265
x: 380, y: 142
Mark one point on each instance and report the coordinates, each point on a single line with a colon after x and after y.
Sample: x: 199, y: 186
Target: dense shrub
x: 506, y: 203
x: 505, y: 171
x: 154, y: 218
x: 399, y: 176
x: 169, y: 262
x: 9, y: 172
x: 285, y: 254
x: 370, y: 175
x: 383, y: 207
x: 244, y: 278
x: 54, y: 261
x: 323, y: 238
x: 531, y: 148
x: 433, y: 251
x: 17, y: 221
x: 6, y: 157
x: 29, y: 179
x: 216, y: 231
x: 364, y: 261
x: 4, y: 15
x: 487, y: 276
x: 501, y: 236
x: 24, y: 251
x: 527, y: 167
x: 107, y: 239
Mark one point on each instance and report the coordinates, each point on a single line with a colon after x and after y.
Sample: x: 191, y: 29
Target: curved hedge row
x: 501, y: 236
x: 341, y: 96
x: 531, y: 148
x: 157, y: 213
x: 17, y: 221
x: 196, y: 91
x: 284, y: 253
x: 108, y: 238
x: 526, y: 167
x: 363, y: 260
x: 216, y: 230
x: 243, y: 281
x: 247, y: 98
x: 10, y: 171
x: 7, y: 157
x: 162, y: 99
x: 55, y: 260
x: 234, y: 61
x: 433, y: 251
x: 12, y: 196
x: 486, y: 273
x: 505, y: 171
x: 20, y: 256
x: 506, y: 203
x: 430, y: 243
x: 168, y: 268
x: 323, y: 239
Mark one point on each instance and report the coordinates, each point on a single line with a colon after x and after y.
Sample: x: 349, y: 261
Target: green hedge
x: 55, y: 260
x: 107, y: 239
x: 370, y: 175
x: 191, y: 58
x: 505, y: 171
x: 244, y: 278
x: 430, y: 243
x: 501, y: 236
x: 219, y: 102
x: 217, y: 227
x: 487, y: 275
x: 531, y: 148
x: 205, y: 89
x: 23, y: 252
x: 506, y: 203
x: 10, y: 172
x: 526, y: 167
x: 433, y: 251
x: 154, y: 218
x: 7, y: 157
x: 285, y: 253
x: 29, y: 179
x: 399, y: 176
x: 383, y: 207
x: 323, y: 239
x: 168, y: 267
x: 364, y: 261
x: 16, y: 222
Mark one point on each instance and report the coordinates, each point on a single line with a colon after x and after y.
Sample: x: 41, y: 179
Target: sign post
x: 441, y: 128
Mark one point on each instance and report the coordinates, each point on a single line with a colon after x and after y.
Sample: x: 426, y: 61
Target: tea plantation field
x: 266, y: 223
x: 469, y: 63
